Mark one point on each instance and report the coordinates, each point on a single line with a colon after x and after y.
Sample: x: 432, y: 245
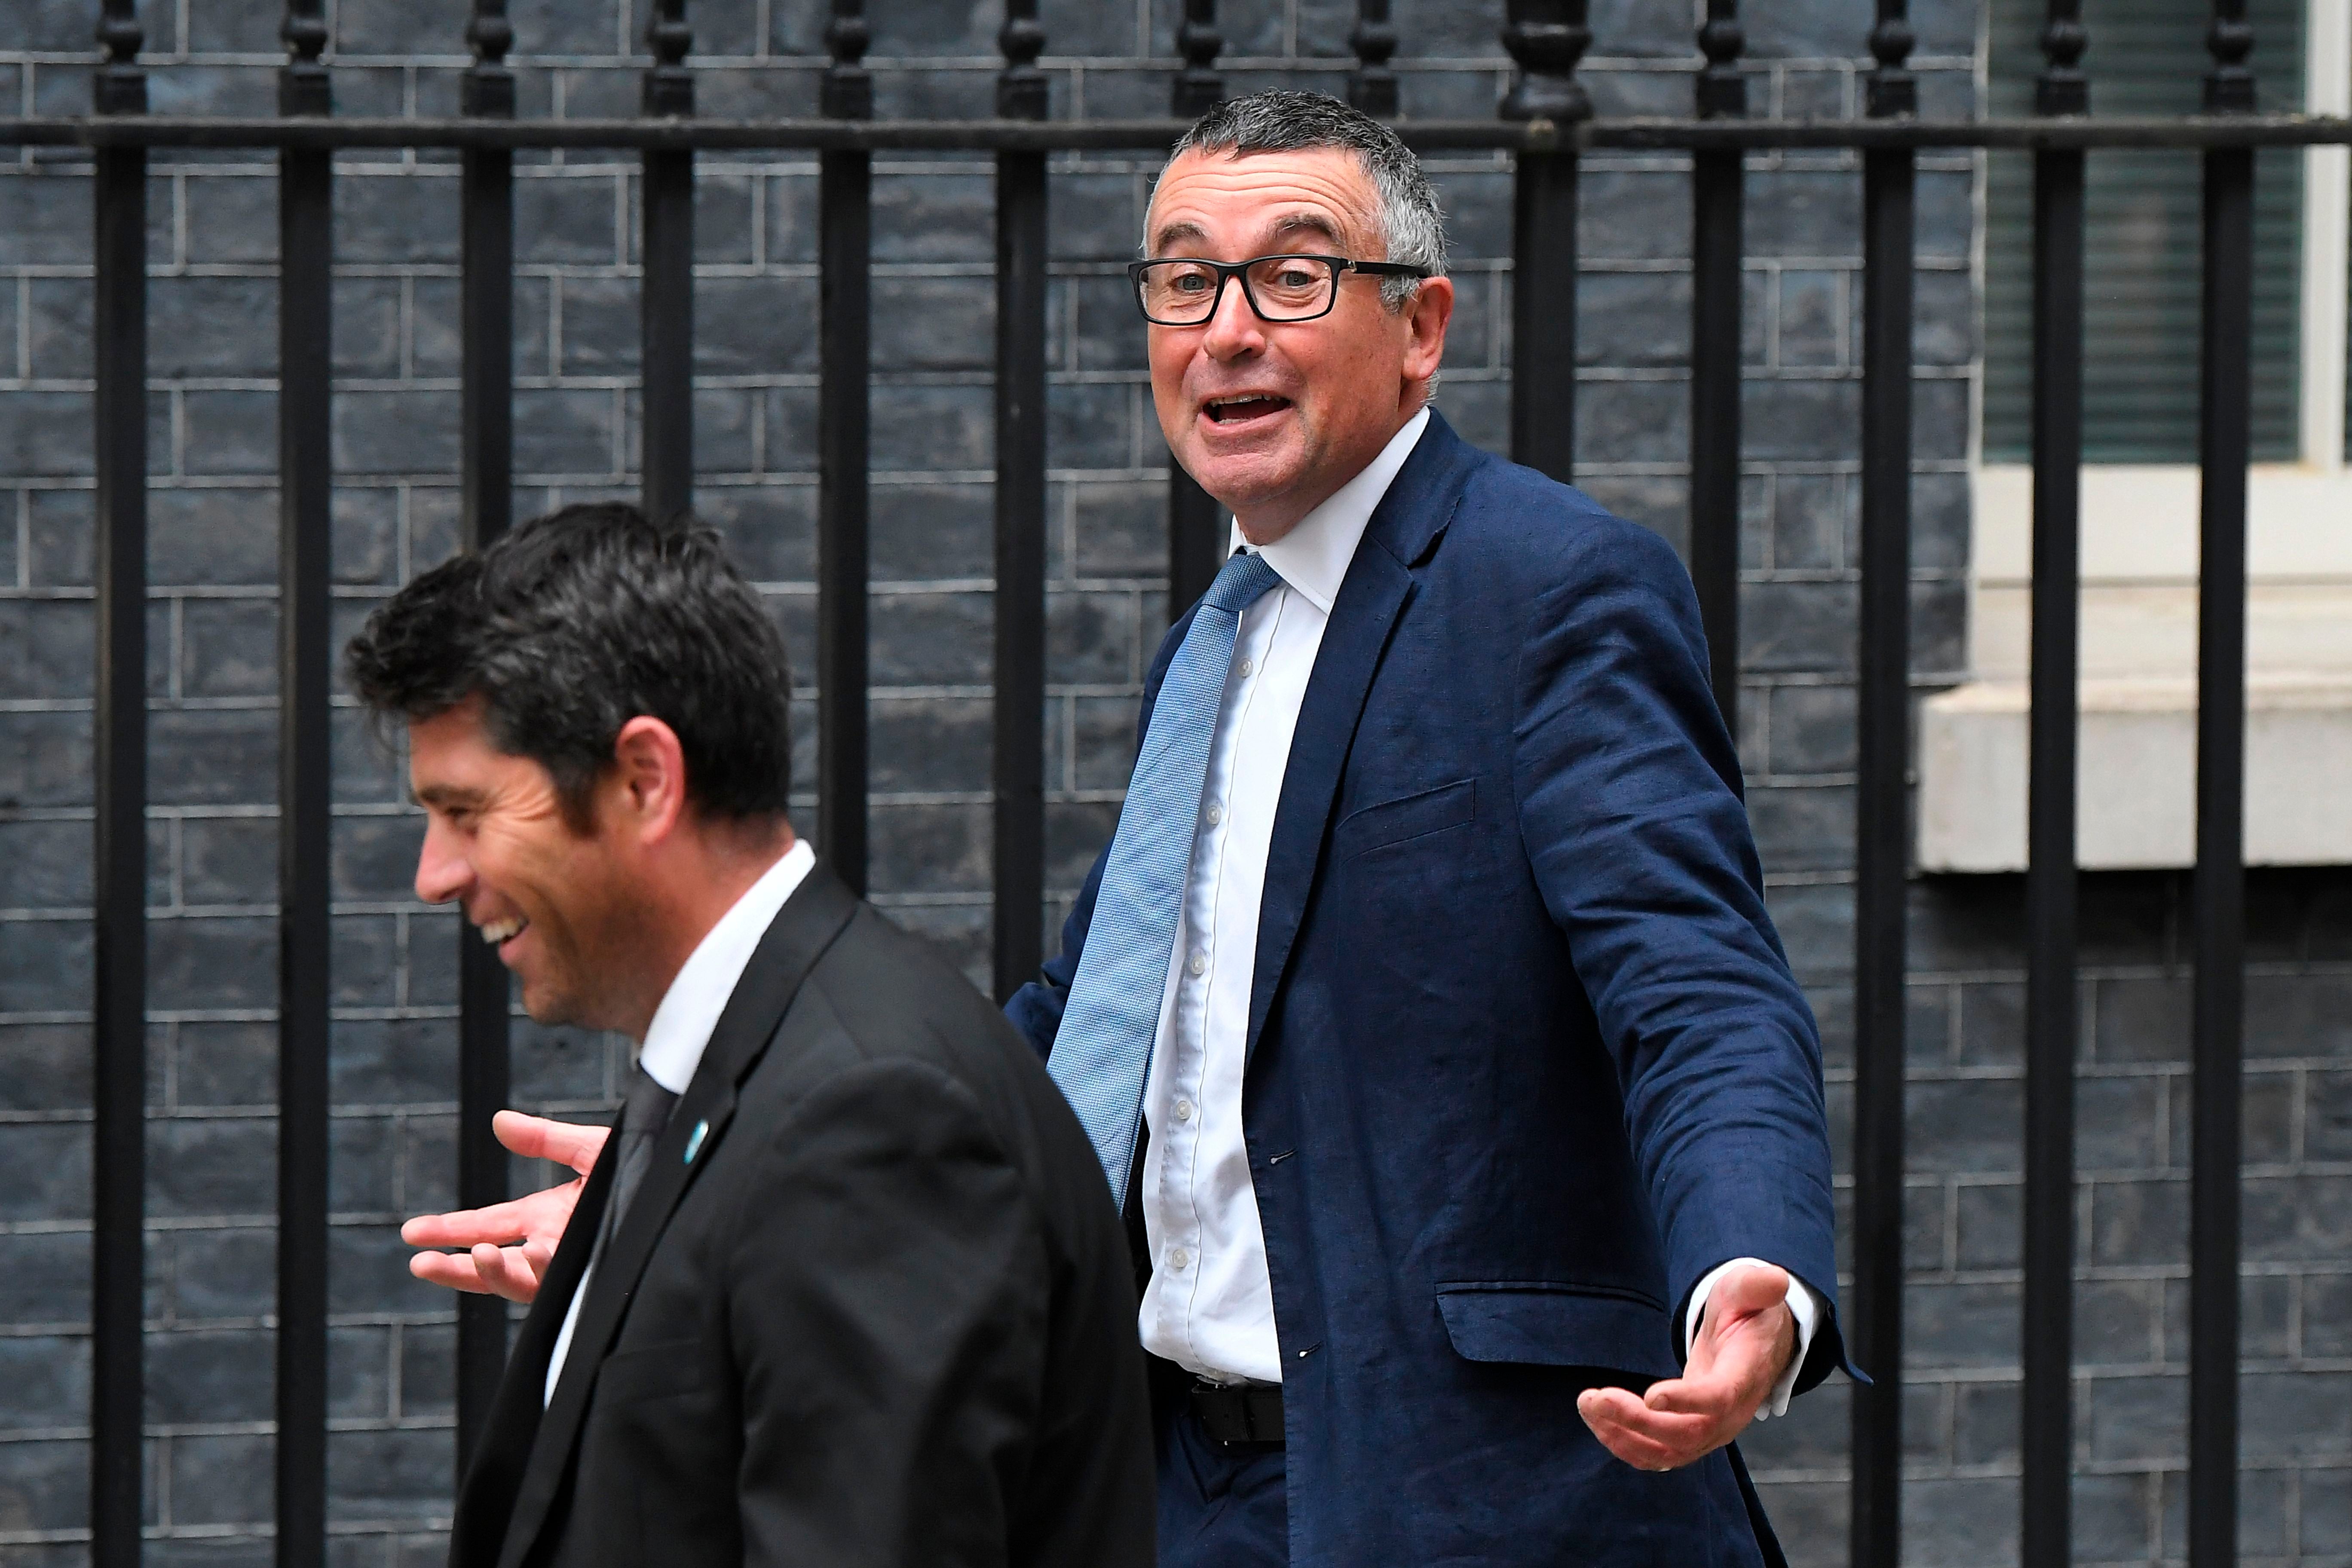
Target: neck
x: 692, y: 892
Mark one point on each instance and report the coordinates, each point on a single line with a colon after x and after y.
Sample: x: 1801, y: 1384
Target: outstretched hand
x: 507, y: 1245
x: 1743, y: 1345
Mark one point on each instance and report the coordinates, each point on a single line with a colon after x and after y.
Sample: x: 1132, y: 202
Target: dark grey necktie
x: 642, y: 1116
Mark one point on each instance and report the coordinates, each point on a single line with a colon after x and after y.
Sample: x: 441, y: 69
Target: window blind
x: 2143, y: 264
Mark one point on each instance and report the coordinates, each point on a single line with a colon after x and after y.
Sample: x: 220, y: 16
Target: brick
x: 225, y: 1063
x: 50, y: 1174
x: 1635, y: 421
x: 1803, y: 828
x: 743, y: 326
x: 930, y: 743
x: 45, y: 967
x: 934, y: 428
x: 362, y: 1161
x: 47, y: 1486
x: 397, y: 432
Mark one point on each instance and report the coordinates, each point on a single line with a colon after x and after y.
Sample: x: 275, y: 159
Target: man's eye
x: 1190, y: 282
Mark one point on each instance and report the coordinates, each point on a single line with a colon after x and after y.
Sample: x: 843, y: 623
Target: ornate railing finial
x: 1198, y: 87
x: 1721, y: 89
x: 2229, y: 85
x: 2063, y: 88
x: 1546, y: 38
x: 302, y: 84
x: 118, y: 85
x: 849, y: 91
x: 487, y: 87
x: 1022, y: 90
x: 1891, y: 88
x: 1372, y: 86
x: 669, y: 86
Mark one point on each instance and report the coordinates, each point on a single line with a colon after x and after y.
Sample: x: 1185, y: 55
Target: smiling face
x: 554, y: 900
x: 1272, y: 417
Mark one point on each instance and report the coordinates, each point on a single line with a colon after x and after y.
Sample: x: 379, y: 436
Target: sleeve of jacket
x: 1036, y: 1008
x: 888, y: 1299
x: 1630, y: 807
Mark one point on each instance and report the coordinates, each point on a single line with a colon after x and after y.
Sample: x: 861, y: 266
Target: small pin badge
x: 694, y: 1139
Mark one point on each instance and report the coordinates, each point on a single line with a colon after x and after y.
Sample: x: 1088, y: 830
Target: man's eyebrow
x: 445, y: 795
x: 1181, y: 229
x: 1308, y: 222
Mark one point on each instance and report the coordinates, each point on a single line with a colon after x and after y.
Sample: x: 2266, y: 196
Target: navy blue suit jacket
x: 1526, y: 1059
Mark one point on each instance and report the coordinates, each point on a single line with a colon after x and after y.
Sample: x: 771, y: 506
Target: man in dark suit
x: 1423, y: 1011
x: 847, y: 1288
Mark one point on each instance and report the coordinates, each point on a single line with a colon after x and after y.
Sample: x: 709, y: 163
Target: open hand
x: 1743, y: 1345
x: 509, y: 1244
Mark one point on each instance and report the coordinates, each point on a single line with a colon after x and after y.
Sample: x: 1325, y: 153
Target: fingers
x: 509, y: 1271
x: 453, y: 1270
x: 1649, y: 1438
x: 537, y: 1138
x: 501, y: 1224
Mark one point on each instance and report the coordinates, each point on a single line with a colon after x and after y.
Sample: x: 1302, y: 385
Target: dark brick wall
x: 212, y: 688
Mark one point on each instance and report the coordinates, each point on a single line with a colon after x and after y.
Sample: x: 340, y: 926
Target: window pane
x: 2144, y: 269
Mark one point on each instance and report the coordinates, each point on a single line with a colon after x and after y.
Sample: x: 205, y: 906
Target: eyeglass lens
x: 1283, y: 288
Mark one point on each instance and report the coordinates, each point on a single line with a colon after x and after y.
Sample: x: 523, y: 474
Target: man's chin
x: 1244, y: 481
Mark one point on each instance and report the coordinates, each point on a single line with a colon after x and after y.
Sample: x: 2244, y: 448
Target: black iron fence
x: 1545, y: 121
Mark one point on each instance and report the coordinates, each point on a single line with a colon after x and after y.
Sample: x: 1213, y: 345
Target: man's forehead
x: 1316, y: 188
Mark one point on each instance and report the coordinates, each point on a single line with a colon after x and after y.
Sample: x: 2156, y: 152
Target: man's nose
x: 1233, y: 328
x: 443, y: 872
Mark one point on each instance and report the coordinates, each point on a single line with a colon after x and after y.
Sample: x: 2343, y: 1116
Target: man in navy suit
x: 1476, y: 1071
x: 1424, y: 1012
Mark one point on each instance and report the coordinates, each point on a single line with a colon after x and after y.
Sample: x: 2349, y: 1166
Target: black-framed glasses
x: 1185, y: 291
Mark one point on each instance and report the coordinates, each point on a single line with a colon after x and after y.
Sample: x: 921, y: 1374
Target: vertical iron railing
x: 1545, y: 39
x: 485, y: 458
x: 305, y: 484
x: 1018, y: 848
x: 1882, y: 851
x: 118, y: 847
x: 2217, y: 892
x: 2046, y: 1423
x: 1196, y: 539
x: 1718, y: 181
x: 1372, y: 85
x: 845, y: 230
x: 666, y: 299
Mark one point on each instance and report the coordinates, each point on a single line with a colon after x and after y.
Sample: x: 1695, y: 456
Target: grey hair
x: 1412, y: 228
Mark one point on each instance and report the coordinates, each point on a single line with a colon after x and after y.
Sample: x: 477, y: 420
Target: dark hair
x: 577, y: 622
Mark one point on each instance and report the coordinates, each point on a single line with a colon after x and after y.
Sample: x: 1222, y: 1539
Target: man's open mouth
x: 498, y: 933
x: 1242, y: 407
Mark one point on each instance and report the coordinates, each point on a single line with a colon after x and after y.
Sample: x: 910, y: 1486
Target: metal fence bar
x: 119, y: 848
x: 2218, y: 893
x: 1372, y: 85
x: 1196, y: 534
x: 1633, y: 133
x: 844, y: 254
x: 1019, y: 708
x: 1718, y: 192
x: 666, y: 299
x: 486, y: 425
x: 2051, y: 1006
x: 305, y: 490
x: 1546, y: 38
x: 1889, y: 184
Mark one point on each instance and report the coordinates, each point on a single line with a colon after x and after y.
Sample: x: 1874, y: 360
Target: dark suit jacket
x: 884, y: 1315
x: 1525, y: 1057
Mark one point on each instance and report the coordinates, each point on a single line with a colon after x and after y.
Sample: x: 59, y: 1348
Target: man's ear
x: 650, y: 777
x: 1427, y: 315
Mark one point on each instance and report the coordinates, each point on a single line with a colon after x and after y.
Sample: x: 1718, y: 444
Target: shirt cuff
x: 1804, y: 1305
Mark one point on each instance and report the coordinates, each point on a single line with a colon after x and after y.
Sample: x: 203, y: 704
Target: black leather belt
x: 1240, y: 1412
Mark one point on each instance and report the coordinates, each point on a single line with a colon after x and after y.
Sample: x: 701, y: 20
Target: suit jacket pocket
x: 1543, y: 1323
x: 654, y: 1371
x: 1388, y: 822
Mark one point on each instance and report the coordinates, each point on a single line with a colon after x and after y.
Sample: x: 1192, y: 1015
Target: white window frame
x: 2138, y: 652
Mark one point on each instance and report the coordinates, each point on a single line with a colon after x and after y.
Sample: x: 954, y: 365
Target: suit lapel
x: 1371, y: 599
x: 486, y: 1501
x: 810, y: 921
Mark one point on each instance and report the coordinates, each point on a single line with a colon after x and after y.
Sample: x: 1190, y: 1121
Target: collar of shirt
x: 690, y: 1007
x: 1313, y: 557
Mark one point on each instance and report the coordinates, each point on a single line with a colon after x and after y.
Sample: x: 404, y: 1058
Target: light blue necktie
x: 1103, y: 1051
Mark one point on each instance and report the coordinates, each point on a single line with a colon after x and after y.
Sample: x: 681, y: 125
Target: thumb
x: 1754, y: 1289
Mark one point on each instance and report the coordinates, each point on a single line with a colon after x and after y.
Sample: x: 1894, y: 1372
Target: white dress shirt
x: 689, y: 1010
x: 1209, y: 1304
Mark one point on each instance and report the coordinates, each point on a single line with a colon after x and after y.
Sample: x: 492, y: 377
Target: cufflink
x: 694, y: 1139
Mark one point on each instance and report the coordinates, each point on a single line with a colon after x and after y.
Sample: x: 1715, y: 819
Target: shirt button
x: 1199, y: 964
x: 1215, y: 813
x: 1178, y: 1259
x: 1248, y: 665
x: 1183, y: 1110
